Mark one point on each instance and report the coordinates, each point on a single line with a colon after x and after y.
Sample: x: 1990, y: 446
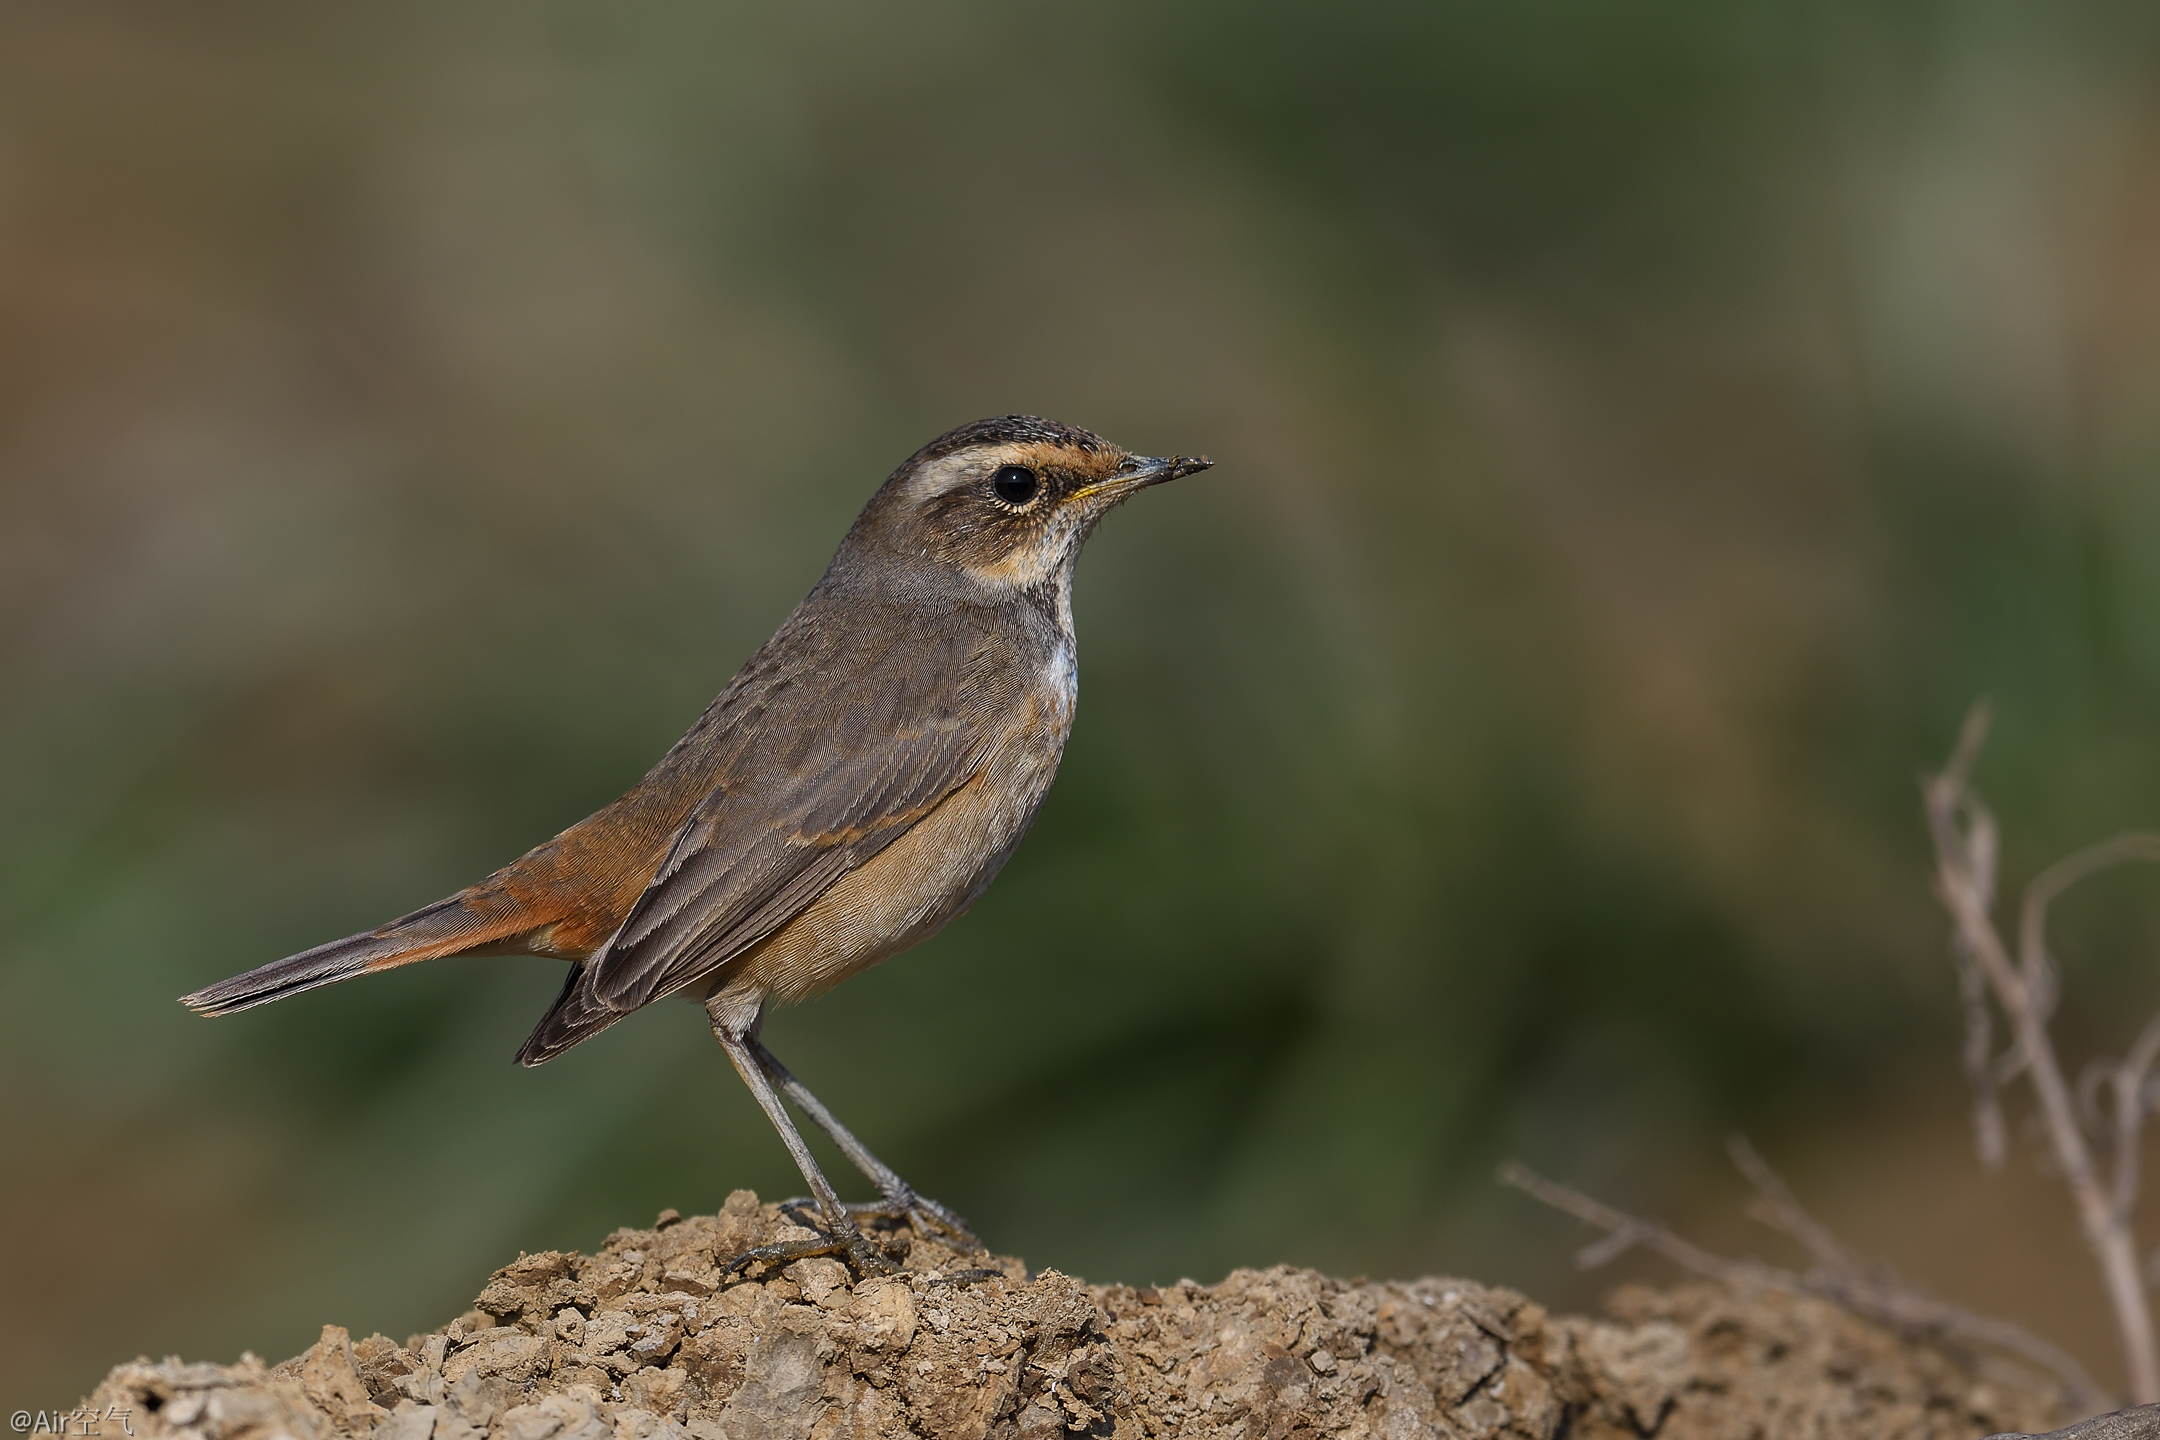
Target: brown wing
x: 722, y: 890
x: 829, y: 758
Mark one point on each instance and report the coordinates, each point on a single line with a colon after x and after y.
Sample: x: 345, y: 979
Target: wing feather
x: 725, y: 897
x: 813, y: 784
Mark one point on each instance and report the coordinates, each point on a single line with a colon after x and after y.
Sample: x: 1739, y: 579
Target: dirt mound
x: 644, y: 1341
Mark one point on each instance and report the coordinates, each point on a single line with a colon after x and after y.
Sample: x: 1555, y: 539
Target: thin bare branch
x: 2131, y: 1104
x: 1966, y: 849
x: 1990, y: 1134
x: 1972, y: 734
x: 2035, y: 961
x: 2023, y: 987
x: 1784, y: 1212
x: 2033, y: 955
x: 1903, y: 1308
x: 1621, y: 1226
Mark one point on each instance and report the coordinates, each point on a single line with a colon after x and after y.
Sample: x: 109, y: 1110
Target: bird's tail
x: 577, y: 1014
x: 447, y: 927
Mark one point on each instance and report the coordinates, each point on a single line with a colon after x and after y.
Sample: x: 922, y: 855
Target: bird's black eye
x: 1015, y: 484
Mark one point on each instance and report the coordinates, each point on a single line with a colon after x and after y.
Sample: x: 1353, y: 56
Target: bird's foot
x: 844, y: 1239
x: 927, y: 1218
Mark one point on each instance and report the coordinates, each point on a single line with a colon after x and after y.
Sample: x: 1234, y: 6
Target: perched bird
x: 856, y: 786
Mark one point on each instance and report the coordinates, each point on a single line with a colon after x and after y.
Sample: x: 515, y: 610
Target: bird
x: 854, y: 788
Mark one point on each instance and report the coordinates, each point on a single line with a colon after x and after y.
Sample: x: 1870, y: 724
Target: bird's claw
x: 927, y: 1218
x: 863, y: 1257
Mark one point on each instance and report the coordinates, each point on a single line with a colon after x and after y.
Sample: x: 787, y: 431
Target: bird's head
x: 1007, y: 503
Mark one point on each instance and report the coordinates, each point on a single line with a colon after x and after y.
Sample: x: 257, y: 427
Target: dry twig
x: 2024, y: 990
x: 2106, y: 1112
x: 1837, y: 1275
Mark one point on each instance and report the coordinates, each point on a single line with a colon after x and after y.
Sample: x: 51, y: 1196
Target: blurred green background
x: 1642, y: 430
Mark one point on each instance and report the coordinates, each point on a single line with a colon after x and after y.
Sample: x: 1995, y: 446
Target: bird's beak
x: 1140, y: 471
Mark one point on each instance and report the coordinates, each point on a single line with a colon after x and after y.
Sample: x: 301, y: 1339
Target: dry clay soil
x: 647, y: 1340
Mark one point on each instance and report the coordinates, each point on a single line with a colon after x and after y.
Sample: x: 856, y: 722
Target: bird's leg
x: 845, y: 1236
x: 925, y: 1215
